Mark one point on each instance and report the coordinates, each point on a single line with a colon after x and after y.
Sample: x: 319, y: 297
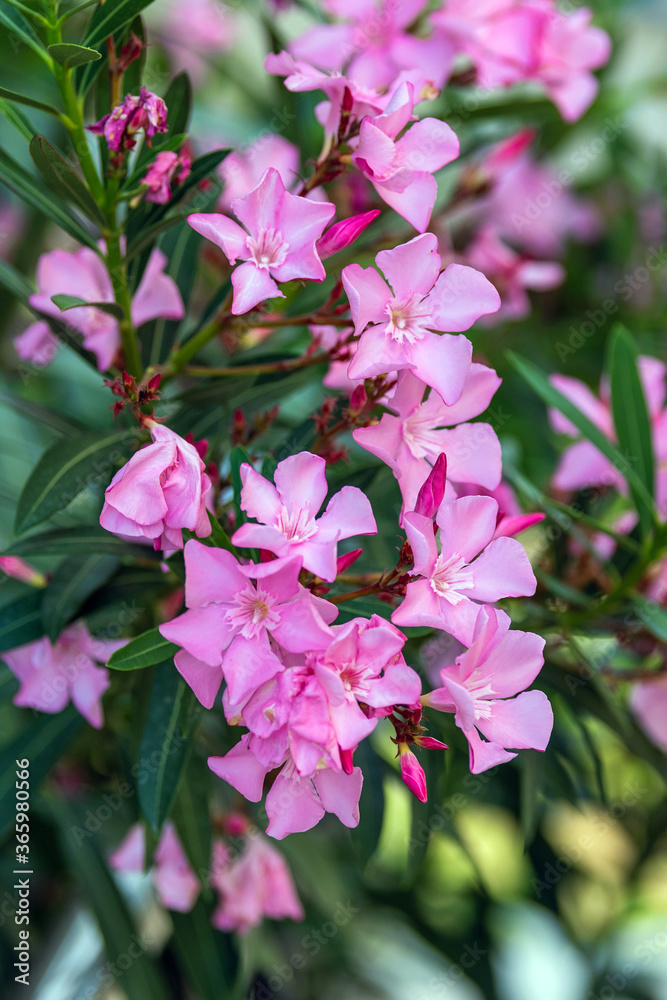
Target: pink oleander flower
x: 300, y: 76
x: 648, y: 701
x: 18, y: 569
x: 403, y: 317
x: 256, y: 885
x: 161, y: 172
x: 401, y: 169
x: 226, y: 630
x: 530, y: 204
x: 53, y: 674
x: 364, y: 665
x: 176, y: 884
x: 510, y: 41
x: 480, y: 689
x: 160, y: 491
x: 471, y: 568
x: 118, y: 128
x: 82, y: 273
x: 411, y: 440
x: 295, y: 803
x: 277, y: 244
x: 287, y: 513
x: 581, y: 464
x: 374, y: 42
x: 511, y: 273
x: 412, y: 772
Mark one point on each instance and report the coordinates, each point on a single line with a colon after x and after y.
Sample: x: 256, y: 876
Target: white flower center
x: 253, y: 612
x: 420, y: 437
x: 357, y: 678
x: 296, y: 525
x: 450, y: 577
x: 269, y: 250
x: 407, y: 321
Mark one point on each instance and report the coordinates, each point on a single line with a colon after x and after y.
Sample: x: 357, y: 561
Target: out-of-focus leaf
x: 16, y: 118
x: 70, y: 55
x: 631, y: 420
x: 538, y: 381
x: 371, y: 805
x: 19, y: 27
x: 14, y: 282
x: 42, y: 743
x: 38, y: 413
x: 21, y: 620
x: 144, y: 651
x: 72, y: 583
x: 191, y: 816
x: 209, y: 958
x: 62, y: 179
x: 72, y: 541
x: 32, y: 191
x: 141, y: 978
x: 110, y: 17
x: 165, y: 744
x: 653, y: 616
x: 64, y: 472
x: 529, y: 788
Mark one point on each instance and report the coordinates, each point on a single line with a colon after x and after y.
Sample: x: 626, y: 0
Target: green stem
x: 117, y: 273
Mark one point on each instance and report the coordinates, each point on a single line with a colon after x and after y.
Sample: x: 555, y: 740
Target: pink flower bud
x: 412, y: 772
x: 345, y: 561
x: 343, y: 233
x: 429, y: 743
x: 507, y: 527
x: 432, y: 492
x: 346, y: 760
x: 20, y: 570
x: 358, y: 399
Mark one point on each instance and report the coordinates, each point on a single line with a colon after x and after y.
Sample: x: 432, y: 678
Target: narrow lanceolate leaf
x: 62, y: 179
x: 144, y: 651
x: 16, y: 118
x: 71, y: 585
x: 539, y: 382
x: 67, y: 469
x: 141, y: 977
x: 30, y: 102
x: 32, y: 190
x: 21, y: 620
x: 65, y: 302
x: 631, y: 420
x: 210, y: 959
x: 14, y: 282
x: 165, y: 744
x: 238, y: 457
x: 42, y: 743
x: 70, y: 55
x: 80, y: 540
x: 20, y: 28
x: 110, y: 17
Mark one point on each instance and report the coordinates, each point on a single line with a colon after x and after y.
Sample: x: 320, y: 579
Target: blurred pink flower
x: 255, y: 885
x: 175, y: 882
x: 53, y: 674
x: 648, y: 701
x: 161, y: 172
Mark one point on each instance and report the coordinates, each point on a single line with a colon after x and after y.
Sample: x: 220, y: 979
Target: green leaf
x: 69, y: 55
x: 62, y: 179
x: 191, y: 816
x: 111, y: 17
x: 42, y: 743
x: 539, y: 382
x: 21, y: 620
x: 65, y: 302
x: 141, y: 977
x: 64, y: 472
x: 653, y: 616
x: 30, y: 102
x: 209, y: 959
x: 71, y: 585
x: 21, y: 29
x: 238, y: 457
x: 31, y: 191
x: 144, y: 651
x: 14, y: 282
x: 631, y: 420
x: 17, y: 119
x: 83, y: 539
x: 165, y: 743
